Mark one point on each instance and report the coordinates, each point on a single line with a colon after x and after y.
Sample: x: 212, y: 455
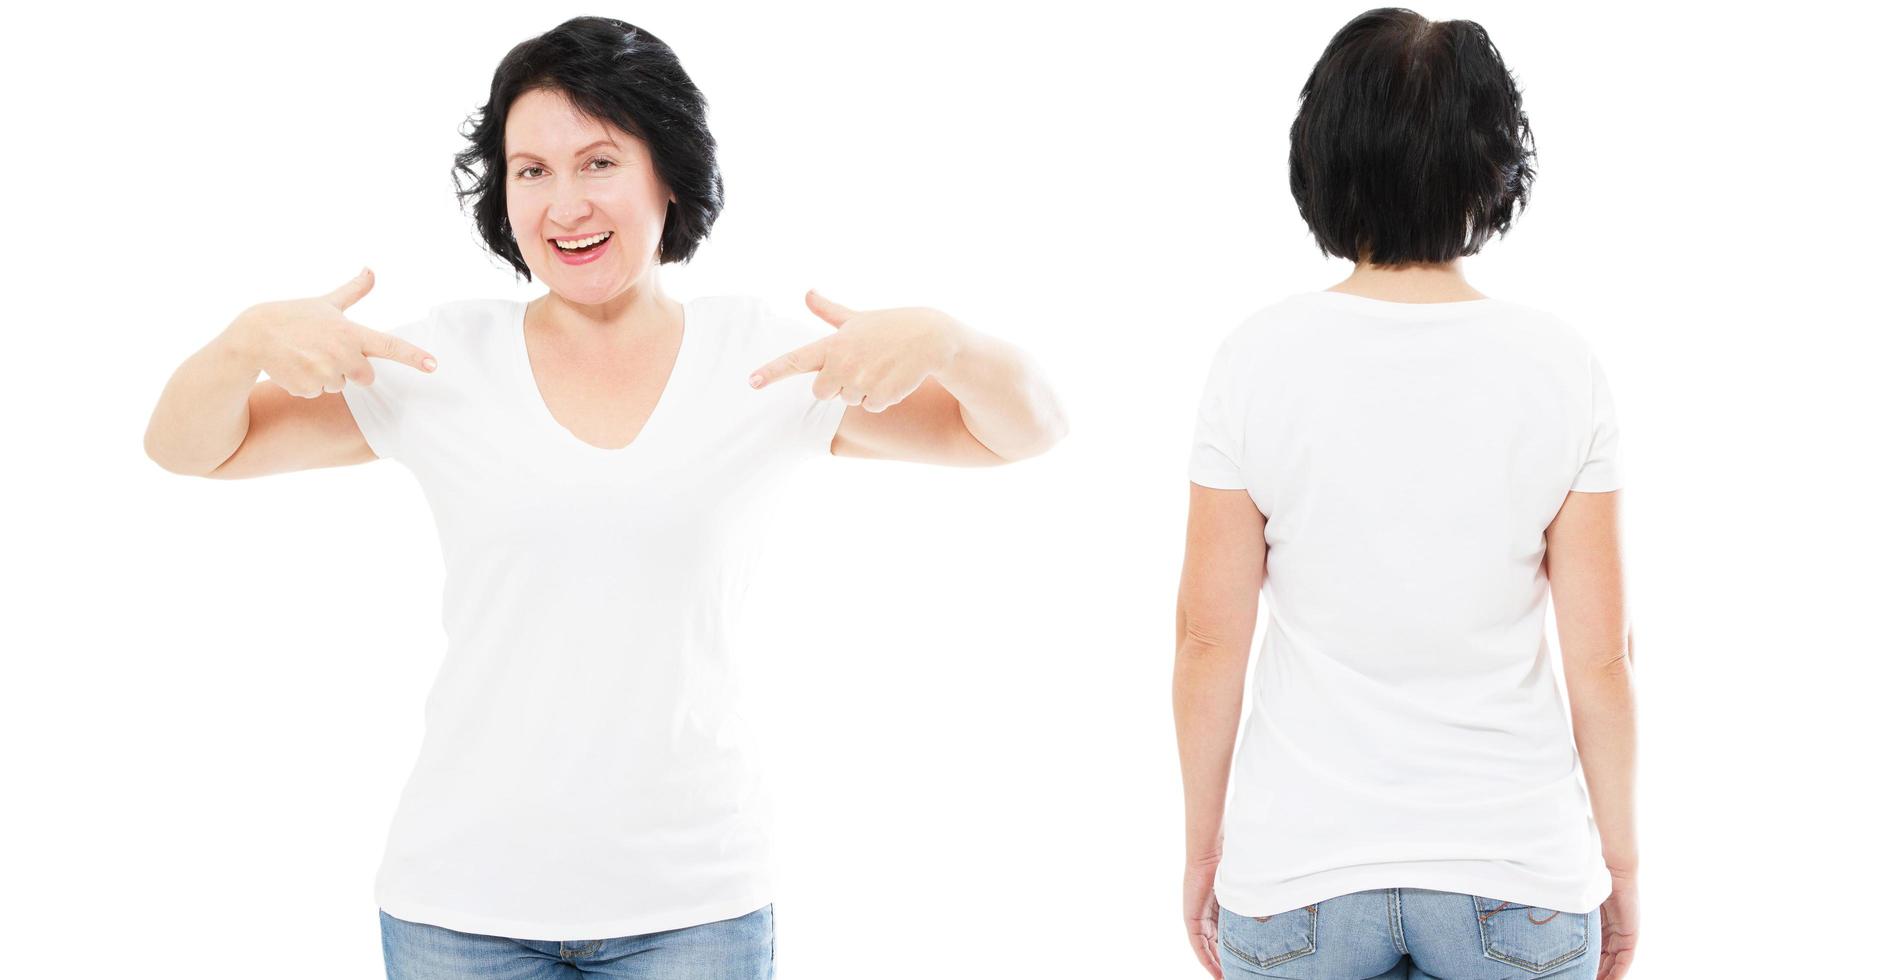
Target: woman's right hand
x: 1619, y: 926
x: 308, y: 347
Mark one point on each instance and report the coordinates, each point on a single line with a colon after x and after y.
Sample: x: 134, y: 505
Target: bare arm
x: 1223, y: 564
x: 200, y: 428
x: 1584, y: 569
x: 988, y: 406
x: 202, y: 414
x: 933, y: 389
x: 216, y: 419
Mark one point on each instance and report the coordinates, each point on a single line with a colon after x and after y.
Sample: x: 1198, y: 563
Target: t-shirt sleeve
x: 1600, y: 472
x: 380, y: 408
x: 820, y: 424
x: 1216, y: 457
x: 814, y: 422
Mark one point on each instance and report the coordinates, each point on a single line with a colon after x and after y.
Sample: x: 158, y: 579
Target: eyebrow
x: 585, y: 149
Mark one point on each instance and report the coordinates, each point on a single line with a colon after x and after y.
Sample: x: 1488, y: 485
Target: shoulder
x: 1542, y: 323
x: 729, y: 311
x: 451, y: 320
x: 746, y: 322
x: 1286, y: 321
x: 462, y: 322
x: 474, y: 314
x: 1547, y: 337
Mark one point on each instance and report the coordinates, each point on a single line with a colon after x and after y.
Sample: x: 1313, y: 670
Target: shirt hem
x: 832, y: 419
x: 1215, y: 481
x: 382, y: 444
x: 1580, y: 897
x: 546, y: 931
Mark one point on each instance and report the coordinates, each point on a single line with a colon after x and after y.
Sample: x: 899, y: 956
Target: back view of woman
x: 1404, y: 467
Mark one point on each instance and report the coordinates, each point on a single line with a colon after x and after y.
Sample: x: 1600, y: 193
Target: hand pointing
x: 874, y: 359
x: 308, y: 347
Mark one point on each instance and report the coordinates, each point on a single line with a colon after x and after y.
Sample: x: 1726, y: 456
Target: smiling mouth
x: 600, y: 241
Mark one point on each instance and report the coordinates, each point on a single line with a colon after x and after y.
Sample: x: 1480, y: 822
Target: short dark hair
x: 613, y: 71
x: 1410, y: 145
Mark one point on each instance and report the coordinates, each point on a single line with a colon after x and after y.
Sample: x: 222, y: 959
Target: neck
x: 639, y: 310
x: 1418, y: 282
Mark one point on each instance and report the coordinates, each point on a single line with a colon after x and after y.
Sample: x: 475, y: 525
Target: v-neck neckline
x: 663, y: 403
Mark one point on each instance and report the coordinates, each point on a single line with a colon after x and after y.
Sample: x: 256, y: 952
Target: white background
x: 213, y: 690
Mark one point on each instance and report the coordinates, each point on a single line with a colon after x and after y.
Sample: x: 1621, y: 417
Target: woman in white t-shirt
x: 599, y: 462
x: 1401, y: 467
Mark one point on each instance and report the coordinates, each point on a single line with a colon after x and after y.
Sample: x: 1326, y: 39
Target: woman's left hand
x: 875, y: 359
x: 1200, y: 913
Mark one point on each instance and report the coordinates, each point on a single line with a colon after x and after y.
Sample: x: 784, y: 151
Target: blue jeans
x: 732, y: 949
x: 1411, y: 934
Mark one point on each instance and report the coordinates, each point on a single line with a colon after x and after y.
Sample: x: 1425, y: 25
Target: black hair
x: 616, y: 72
x: 1410, y: 145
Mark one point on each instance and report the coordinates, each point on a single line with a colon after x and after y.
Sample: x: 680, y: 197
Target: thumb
x: 352, y: 291
x: 828, y: 310
x: 375, y: 343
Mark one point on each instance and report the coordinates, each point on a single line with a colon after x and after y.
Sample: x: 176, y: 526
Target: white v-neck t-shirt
x: 587, y: 770
x: 1406, y: 727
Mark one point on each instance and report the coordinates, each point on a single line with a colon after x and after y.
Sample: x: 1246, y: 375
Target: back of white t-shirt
x: 1406, y: 725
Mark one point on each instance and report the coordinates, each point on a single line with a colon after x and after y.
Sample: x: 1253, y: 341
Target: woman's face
x: 571, y: 177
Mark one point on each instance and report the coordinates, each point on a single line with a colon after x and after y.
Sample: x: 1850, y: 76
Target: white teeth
x: 580, y: 243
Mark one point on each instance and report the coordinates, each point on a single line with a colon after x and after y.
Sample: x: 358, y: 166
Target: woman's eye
x: 525, y: 172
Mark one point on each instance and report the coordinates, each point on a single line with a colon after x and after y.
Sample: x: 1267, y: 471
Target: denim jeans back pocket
x: 1532, y: 938
x: 1271, y: 940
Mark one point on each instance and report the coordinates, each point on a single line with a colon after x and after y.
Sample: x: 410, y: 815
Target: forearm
x: 1207, y: 696
x: 1605, y: 730
x: 203, y: 414
x: 1003, y: 400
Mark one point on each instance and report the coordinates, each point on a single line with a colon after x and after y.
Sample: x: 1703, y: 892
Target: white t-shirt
x: 586, y: 769
x: 1406, y: 725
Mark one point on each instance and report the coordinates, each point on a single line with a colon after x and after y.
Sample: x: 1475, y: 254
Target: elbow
x: 1057, y: 426
x: 1601, y: 680
x: 211, y: 474
x: 1616, y: 664
x: 155, y: 450
x: 172, y: 466
x: 153, y: 453
x: 1613, y: 678
x: 163, y: 462
x: 1210, y: 660
x: 1200, y: 637
x: 1047, y: 431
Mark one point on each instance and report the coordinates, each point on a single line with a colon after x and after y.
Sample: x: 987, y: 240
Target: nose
x: 570, y: 205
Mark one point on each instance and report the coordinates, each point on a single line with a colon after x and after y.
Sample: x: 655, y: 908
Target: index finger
x: 797, y: 361
x: 376, y: 343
